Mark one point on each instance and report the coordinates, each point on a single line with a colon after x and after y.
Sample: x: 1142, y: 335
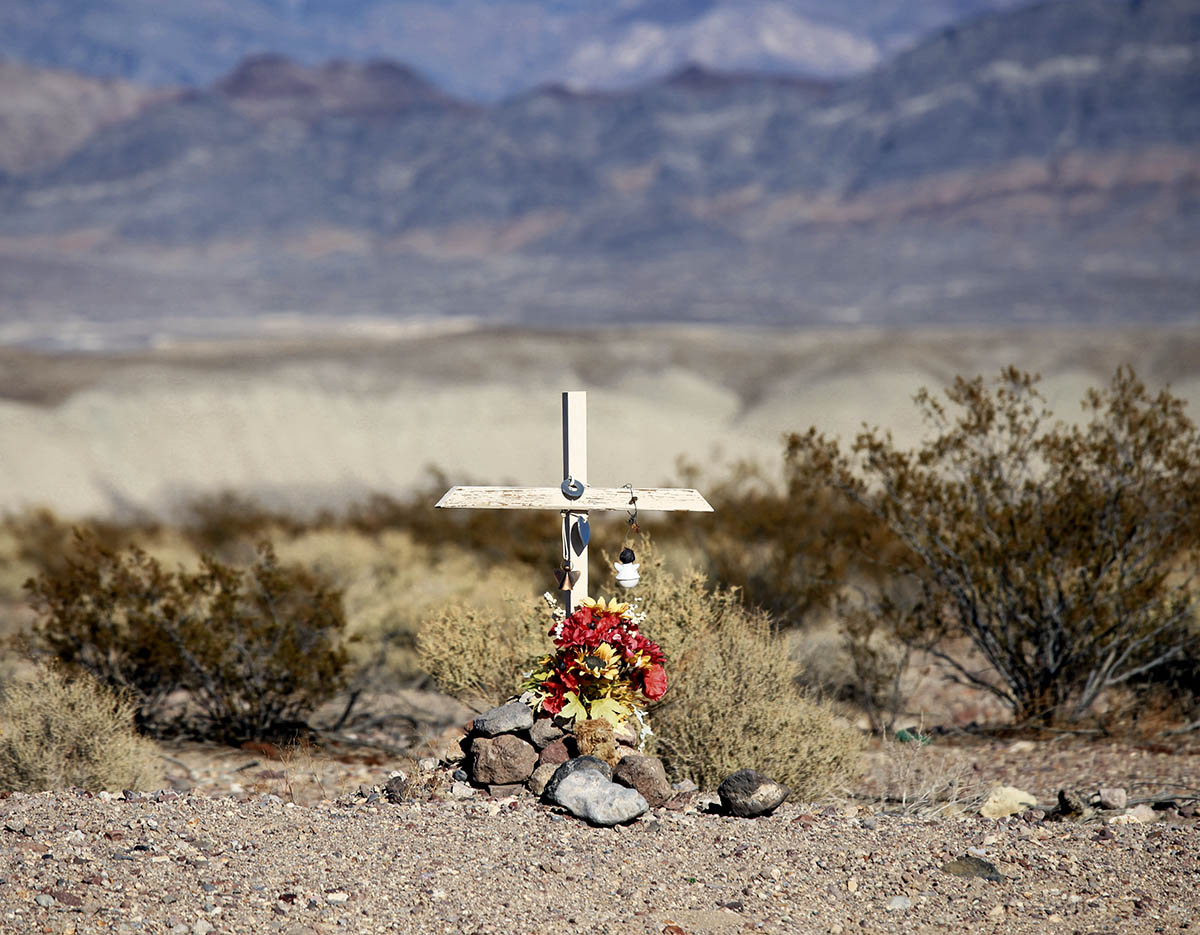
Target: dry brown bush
x: 734, y: 701
x: 480, y: 655
x: 256, y: 649
x: 60, y: 732
x: 390, y: 584
x: 1066, y: 554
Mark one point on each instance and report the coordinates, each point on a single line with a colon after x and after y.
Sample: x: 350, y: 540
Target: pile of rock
x: 591, y: 769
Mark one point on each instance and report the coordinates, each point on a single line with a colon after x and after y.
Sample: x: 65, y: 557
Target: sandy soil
x: 238, y: 858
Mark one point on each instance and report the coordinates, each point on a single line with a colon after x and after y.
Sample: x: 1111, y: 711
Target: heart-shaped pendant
x: 581, y: 534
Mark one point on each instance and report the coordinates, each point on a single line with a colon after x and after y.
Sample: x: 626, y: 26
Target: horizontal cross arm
x: 594, y: 498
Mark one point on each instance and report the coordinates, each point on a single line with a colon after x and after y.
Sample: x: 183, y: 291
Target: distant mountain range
x: 1041, y: 164
x: 480, y: 49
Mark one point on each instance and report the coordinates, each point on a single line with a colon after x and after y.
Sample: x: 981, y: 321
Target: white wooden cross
x: 574, y: 508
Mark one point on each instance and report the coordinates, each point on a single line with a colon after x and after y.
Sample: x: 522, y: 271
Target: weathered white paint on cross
x: 573, y: 505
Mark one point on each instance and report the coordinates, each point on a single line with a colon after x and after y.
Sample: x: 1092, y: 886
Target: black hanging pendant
x: 581, y: 534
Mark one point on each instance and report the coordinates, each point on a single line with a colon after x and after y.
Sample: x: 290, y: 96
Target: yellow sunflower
x: 601, y: 662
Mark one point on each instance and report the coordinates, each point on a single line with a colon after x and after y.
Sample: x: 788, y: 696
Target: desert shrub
x: 229, y: 523
x: 734, y: 700
x: 60, y: 732
x: 788, y: 549
x: 255, y: 648
x: 480, y: 655
x: 40, y: 540
x: 1066, y: 554
x: 853, y: 657
x: 390, y: 583
x: 527, y: 537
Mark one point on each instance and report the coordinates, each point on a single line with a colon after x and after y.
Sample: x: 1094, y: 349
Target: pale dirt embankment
x: 313, y: 423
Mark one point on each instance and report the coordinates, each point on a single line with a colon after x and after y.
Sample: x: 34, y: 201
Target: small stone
x: 899, y: 902
x: 544, y: 732
x: 15, y: 825
x: 627, y: 734
x: 1070, y: 807
x: 503, y: 759
x: 202, y: 927
x: 647, y: 775
x: 505, y: 719
x: 460, y: 775
x: 428, y: 764
x: 868, y: 823
x: 1003, y: 801
x: 1142, y: 814
x: 749, y: 794
x: 685, y: 785
x: 969, y: 866
x: 397, y: 788
x: 1113, y: 798
x: 45, y: 900
x: 537, y: 782
x: 460, y: 790
x: 586, y: 794
x: 554, y: 753
x: 338, y: 898
x: 575, y: 765
x: 504, y: 790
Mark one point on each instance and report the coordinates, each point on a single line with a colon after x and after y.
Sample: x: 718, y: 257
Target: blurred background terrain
x: 287, y: 268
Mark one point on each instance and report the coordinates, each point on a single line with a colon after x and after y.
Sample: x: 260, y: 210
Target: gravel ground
x: 197, y: 863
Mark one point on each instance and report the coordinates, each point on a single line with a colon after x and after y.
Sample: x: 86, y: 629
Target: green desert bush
x: 734, y: 699
x: 60, y: 732
x: 255, y: 649
x: 1066, y: 554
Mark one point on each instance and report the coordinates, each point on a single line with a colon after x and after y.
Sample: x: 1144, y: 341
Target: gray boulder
x: 501, y: 760
x: 586, y: 794
x: 578, y: 764
x: 748, y: 794
x: 505, y: 719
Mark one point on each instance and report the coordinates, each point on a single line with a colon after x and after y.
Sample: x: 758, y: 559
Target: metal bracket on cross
x: 574, y: 498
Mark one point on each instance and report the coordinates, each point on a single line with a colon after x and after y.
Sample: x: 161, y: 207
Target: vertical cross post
x: 574, y: 429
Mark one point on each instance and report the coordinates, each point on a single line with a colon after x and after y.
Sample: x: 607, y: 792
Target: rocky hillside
x: 1039, y: 165
x: 46, y: 114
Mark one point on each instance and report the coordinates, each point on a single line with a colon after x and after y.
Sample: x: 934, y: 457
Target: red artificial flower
x: 654, y: 682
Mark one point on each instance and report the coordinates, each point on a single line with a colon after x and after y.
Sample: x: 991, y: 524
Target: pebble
x: 899, y: 902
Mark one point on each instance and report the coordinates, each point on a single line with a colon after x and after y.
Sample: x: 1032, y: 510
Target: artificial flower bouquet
x: 603, y: 667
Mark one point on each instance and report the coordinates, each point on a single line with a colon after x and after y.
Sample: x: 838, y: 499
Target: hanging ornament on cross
x: 574, y: 499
